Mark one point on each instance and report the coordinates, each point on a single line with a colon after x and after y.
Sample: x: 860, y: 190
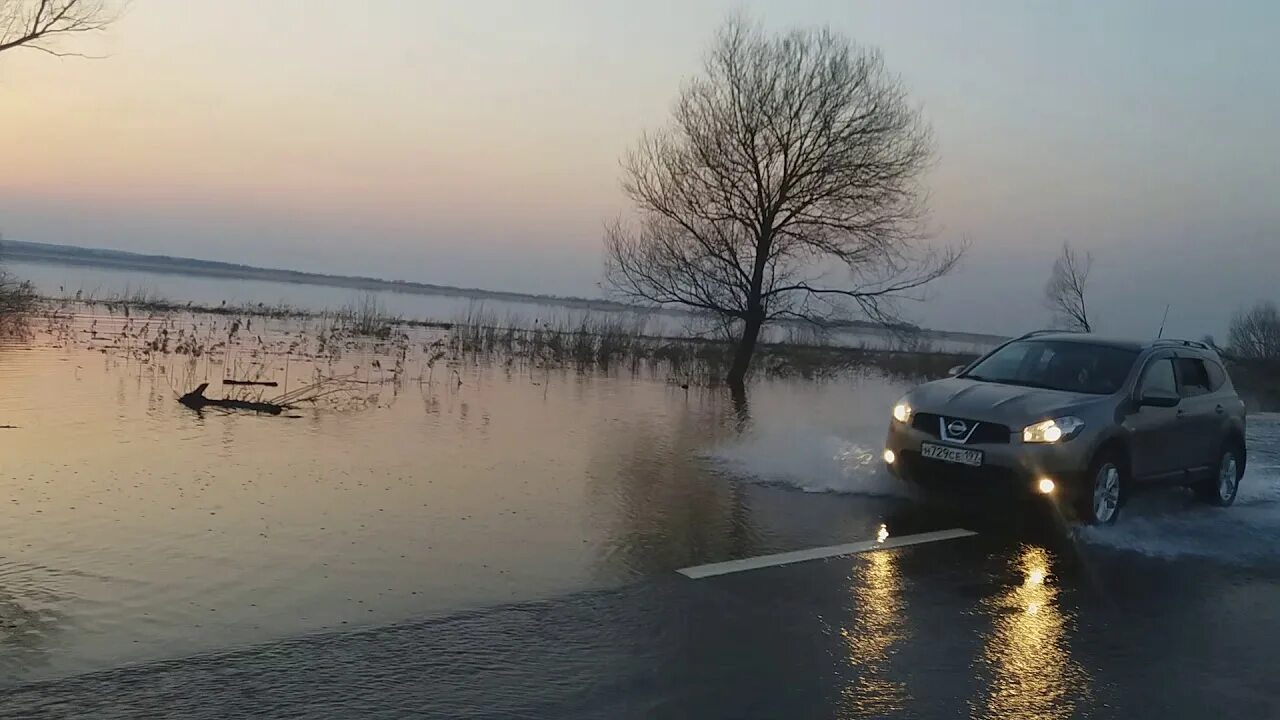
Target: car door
x: 1202, y: 412
x: 1157, y: 433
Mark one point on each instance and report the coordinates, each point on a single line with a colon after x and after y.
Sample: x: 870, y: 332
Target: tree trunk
x: 745, y: 349
x: 741, y: 408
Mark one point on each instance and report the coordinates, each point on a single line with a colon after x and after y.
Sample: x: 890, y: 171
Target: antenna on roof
x: 1166, y: 317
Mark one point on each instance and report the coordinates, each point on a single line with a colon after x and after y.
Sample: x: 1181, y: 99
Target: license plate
x: 946, y: 453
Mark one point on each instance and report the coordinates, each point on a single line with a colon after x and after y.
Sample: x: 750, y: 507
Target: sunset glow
x: 440, y: 143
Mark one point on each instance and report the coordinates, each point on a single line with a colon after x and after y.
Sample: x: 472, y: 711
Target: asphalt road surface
x: 1019, y: 620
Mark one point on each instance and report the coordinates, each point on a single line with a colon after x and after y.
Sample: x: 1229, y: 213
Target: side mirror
x: 1159, y: 399
x: 955, y: 370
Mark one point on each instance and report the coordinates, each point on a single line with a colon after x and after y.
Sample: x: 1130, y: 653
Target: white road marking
x: 787, y: 558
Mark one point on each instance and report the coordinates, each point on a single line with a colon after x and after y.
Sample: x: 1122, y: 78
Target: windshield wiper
x: 1005, y: 381
x: 1032, y: 384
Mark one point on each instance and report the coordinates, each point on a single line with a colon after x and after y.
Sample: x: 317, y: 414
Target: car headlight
x: 902, y: 411
x: 1052, y: 431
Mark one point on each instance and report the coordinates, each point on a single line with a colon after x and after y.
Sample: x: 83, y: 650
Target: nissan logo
x: 957, y: 428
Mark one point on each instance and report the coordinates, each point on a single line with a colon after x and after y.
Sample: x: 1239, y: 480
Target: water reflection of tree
x: 1033, y: 674
x: 655, y: 500
x: 871, y: 636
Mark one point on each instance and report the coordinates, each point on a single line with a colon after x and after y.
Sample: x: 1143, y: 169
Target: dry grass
x: 146, y: 325
x: 17, y: 303
x: 368, y: 318
x: 617, y: 343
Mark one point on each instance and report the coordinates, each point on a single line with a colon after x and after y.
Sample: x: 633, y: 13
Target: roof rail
x: 1166, y: 342
x: 1046, y: 331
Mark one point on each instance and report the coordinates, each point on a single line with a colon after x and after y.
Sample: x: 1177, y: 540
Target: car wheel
x: 1221, y: 489
x: 1099, y: 501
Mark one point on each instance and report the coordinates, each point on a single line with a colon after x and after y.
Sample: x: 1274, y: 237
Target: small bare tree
x: 1064, y: 294
x: 788, y: 185
x: 1255, y: 333
x: 37, y: 24
x: 17, y: 299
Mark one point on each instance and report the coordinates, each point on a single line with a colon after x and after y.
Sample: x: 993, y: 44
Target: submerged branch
x: 196, y: 400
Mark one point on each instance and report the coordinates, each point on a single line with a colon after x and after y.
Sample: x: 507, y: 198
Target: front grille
x: 985, y: 432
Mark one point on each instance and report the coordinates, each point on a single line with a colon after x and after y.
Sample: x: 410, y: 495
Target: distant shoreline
x: 72, y: 255
x: 48, y: 253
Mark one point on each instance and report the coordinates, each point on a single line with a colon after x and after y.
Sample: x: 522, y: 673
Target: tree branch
x: 33, y: 23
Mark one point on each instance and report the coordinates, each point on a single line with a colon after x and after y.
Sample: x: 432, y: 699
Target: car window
x: 1158, y: 378
x: 1193, y: 379
x: 1008, y: 361
x: 1072, y: 366
x: 1217, y: 376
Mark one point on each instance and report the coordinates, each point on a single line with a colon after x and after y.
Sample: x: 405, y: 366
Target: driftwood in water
x: 197, y: 401
x: 263, y: 383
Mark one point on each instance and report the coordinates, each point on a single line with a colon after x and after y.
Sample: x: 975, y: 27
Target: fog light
x: 889, y: 457
x: 1045, y: 486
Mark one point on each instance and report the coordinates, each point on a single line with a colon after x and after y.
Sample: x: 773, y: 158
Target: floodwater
x: 509, y: 533
x: 85, y: 281
x: 138, y: 529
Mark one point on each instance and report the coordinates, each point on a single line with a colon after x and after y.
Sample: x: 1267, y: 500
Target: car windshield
x: 1057, y: 365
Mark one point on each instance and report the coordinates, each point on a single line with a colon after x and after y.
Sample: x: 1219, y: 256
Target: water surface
x: 498, y: 525
x: 139, y: 529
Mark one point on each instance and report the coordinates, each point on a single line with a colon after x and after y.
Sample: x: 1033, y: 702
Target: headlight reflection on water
x: 1033, y: 675
x: 876, y: 627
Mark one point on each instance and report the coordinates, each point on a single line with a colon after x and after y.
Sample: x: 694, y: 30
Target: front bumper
x: 1015, y: 466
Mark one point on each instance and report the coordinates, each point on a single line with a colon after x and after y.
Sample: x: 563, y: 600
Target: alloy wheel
x: 1106, y: 493
x: 1228, y: 477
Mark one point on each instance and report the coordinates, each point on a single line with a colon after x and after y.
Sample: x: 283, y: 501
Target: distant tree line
x: 1255, y: 333
x: 1253, y: 354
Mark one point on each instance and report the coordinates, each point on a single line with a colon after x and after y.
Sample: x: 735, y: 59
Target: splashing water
x: 809, y: 460
x: 816, y: 437
x: 1171, y: 523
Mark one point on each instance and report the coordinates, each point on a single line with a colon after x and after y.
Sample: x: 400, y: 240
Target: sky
x: 477, y: 143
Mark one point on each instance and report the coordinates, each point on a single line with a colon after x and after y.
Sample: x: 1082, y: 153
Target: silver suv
x: 1079, y: 418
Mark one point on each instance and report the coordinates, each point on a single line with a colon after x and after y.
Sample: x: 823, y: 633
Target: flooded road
x: 138, y: 529
x: 503, y: 540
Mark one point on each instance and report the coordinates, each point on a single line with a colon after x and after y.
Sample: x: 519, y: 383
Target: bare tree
x: 38, y: 24
x: 1255, y: 333
x: 1064, y: 294
x: 787, y: 185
